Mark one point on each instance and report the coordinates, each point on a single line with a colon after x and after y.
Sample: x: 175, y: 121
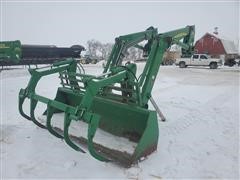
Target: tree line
x: 101, y: 50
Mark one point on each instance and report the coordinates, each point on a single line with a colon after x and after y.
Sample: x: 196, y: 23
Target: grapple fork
x: 94, y: 101
x: 58, y: 106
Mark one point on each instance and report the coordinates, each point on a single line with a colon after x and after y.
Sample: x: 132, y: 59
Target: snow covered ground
x: 200, y: 138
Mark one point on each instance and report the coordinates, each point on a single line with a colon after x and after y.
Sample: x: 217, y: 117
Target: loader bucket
x: 124, y: 131
x: 132, y: 124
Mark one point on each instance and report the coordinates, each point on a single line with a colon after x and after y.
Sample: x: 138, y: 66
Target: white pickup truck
x: 199, y: 60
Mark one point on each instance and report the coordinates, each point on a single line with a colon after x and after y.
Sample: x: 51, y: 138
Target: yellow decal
x: 180, y: 35
x: 3, y: 46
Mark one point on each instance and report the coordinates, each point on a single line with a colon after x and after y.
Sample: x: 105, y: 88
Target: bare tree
x: 106, y: 50
x: 134, y: 54
x: 100, y: 50
x: 97, y: 49
x: 93, y: 47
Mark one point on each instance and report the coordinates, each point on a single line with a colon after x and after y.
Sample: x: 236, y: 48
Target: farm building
x: 217, y: 46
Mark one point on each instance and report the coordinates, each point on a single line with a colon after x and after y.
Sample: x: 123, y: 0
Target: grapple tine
x: 50, y: 112
x: 21, y: 99
x: 92, y: 127
x: 67, y: 122
x: 33, y: 104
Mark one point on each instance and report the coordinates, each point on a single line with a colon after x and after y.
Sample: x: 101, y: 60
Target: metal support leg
x: 159, y: 112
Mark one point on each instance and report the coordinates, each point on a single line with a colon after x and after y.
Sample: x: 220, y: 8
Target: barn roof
x: 228, y: 45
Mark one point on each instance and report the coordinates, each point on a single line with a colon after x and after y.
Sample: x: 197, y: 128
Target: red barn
x: 216, y: 46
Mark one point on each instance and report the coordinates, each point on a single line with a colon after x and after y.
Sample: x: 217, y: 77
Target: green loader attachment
x: 114, y: 103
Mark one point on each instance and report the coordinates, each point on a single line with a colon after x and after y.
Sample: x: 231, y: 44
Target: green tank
x: 10, y: 51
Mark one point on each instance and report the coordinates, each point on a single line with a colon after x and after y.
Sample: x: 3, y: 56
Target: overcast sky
x: 68, y: 23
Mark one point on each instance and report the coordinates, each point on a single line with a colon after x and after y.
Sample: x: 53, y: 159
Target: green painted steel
x: 91, y: 99
x: 10, y: 50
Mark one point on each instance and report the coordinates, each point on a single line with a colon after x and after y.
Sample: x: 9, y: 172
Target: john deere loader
x: 113, y: 105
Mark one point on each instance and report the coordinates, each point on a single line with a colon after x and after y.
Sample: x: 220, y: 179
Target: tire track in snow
x: 196, y: 115
x: 202, y: 117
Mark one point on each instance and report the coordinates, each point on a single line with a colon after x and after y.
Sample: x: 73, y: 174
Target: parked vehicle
x: 199, y: 60
x: 87, y: 59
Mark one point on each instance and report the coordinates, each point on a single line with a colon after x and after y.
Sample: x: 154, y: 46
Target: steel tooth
x: 67, y: 122
x: 48, y: 122
x: 33, y: 104
x: 21, y: 99
x: 92, y: 127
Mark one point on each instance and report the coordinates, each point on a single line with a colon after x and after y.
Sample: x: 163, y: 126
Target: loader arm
x: 122, y: 43
x: 157, y: 48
